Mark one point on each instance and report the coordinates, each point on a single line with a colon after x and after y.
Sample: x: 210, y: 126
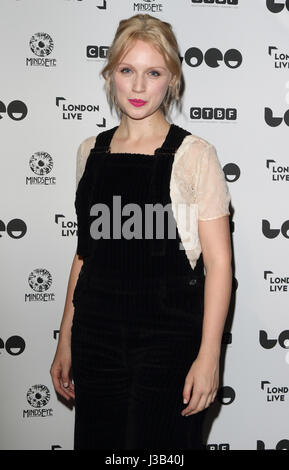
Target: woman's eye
x: 125, y: 70
x: 155, y: 73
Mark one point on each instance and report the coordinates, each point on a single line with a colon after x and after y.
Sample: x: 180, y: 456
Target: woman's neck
x: 139, y: 129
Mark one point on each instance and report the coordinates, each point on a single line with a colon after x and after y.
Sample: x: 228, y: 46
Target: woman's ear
x: 172, y: 81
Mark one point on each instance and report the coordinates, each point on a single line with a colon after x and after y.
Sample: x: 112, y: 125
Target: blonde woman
x: 140, y: 337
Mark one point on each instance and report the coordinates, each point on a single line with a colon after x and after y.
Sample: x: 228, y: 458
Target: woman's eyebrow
x: 150, y: 67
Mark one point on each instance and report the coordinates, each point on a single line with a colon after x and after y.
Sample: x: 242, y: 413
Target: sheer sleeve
x: 84, y: 179
x: 212, y: 192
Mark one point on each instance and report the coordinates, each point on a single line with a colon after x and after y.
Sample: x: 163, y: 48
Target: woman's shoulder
x: 190, y: 137
x: 191, y: 144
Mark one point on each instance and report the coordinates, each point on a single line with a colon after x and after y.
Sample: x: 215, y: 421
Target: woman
x: 141, y: 329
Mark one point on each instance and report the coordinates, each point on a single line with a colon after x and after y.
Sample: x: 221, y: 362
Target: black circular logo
x: 41, y: 163
x: 226, y: 395
x: 40, y: 280
x: 38, y: 396
x: 15, y: 345
x: 41, y: 44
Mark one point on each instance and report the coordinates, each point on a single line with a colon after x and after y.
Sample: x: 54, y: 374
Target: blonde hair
x: 161, y: 36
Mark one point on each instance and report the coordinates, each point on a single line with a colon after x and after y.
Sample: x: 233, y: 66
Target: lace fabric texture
x: 198, y: 188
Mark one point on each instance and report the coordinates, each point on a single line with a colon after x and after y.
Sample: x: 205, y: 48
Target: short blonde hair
x: 161, y: 36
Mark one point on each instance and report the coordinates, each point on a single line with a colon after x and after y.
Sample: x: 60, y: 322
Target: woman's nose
x: 138, y: 83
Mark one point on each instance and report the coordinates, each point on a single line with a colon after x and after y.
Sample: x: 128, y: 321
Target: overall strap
x: 102, y: 141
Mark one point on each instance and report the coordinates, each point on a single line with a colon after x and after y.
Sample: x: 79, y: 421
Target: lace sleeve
x: 82, y: 155
x: 213, y: 196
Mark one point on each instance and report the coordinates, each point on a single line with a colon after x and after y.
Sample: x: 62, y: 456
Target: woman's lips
x: 137, y: 103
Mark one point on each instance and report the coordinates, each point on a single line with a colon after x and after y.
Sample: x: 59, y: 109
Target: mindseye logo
x: 40, y: 280
x: 41, y: 164
x: 148, y: 5
x: 41, y: 44
x: 38, y: 396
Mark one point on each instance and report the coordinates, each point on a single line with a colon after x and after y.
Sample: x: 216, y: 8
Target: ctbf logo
x: 218, y: 114
x: 215, y: 2
x: 213, y: 57
x: 277, y: 6
x: 97, y: 52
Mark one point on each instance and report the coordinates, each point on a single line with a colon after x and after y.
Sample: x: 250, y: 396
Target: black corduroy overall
x: 138, y: 310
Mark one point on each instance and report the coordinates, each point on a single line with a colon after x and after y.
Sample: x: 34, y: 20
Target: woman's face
x: 141, y: 80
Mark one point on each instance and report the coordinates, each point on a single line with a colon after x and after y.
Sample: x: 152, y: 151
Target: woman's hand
x: 203, y: 380
x: 60, y: 370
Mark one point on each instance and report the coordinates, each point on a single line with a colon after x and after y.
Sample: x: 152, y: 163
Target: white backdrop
x: 51, y: 98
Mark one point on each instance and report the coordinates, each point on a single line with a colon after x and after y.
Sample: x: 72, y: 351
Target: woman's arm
x: 66, y: 323
x: 61, y: 365
x: 203, y: 376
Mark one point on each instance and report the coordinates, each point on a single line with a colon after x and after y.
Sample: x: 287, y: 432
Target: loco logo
x: 276, y: 6
x: 274, y: 232
x: 16, y: 110
x: 226, y: 395
x: 266, y: 343
x: 41, y: 44
x: 274, y: 121
x: 281, y: 445
x: 40, y: 280
x: 194, y: 57
x: 14, y: 345
x: 232, y: 172
x: 16, y: 228
x: 41, y: 163
x: 38, y: 396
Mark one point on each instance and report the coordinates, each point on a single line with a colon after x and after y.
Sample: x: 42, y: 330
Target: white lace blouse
x: 198, y: 188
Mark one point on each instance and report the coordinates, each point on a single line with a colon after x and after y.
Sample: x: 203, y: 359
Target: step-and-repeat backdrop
x: 235, y: 59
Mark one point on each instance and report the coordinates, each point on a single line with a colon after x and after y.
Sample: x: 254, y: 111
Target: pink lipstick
x: 137, y: 103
